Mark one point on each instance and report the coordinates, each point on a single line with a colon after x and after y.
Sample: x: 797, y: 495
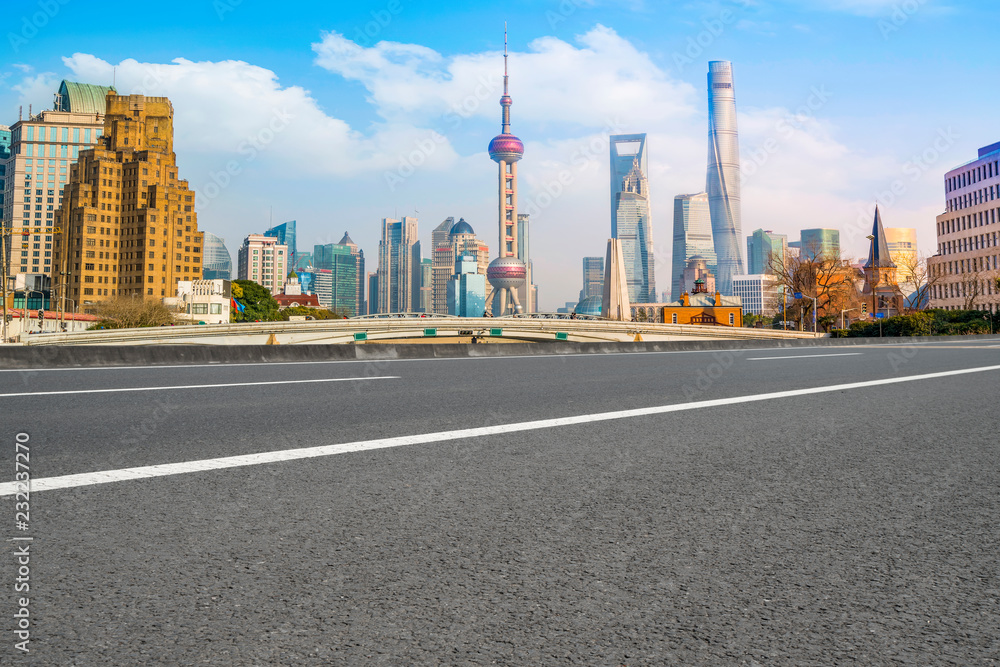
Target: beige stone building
x: 965, y: 269
x: 128, y: 219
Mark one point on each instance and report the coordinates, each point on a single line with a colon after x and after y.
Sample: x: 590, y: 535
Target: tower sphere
x: 506, y: 273
x: 506, y: 147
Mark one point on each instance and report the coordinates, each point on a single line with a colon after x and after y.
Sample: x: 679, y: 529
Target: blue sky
x: 339, y: 114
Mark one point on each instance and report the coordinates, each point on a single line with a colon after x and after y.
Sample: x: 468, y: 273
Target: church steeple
x: 878, y: 252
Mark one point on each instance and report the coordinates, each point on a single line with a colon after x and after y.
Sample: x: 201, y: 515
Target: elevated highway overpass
x: 411, y: 329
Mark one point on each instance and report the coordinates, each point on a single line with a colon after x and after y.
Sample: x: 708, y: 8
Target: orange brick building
x: 129, y: 226
x: 703, y: 309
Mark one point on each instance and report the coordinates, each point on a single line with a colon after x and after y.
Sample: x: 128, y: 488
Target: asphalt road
x: 860, y: 525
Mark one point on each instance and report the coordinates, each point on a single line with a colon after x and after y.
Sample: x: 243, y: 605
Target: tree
x: 922, y: 279
x: 258, y: 304
x: 127, y: 313
x: 830, y: 280
x: 315, y: 313
x: 974, y: 282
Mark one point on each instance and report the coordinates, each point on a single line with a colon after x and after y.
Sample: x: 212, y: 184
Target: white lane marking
x: 193, y: 386
x: 163, y: 470
x: 807, y: 356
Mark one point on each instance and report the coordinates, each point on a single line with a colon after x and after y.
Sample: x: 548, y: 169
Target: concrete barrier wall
x: 13, y: 356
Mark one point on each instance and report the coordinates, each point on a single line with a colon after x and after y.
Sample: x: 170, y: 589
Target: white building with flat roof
x: 760, y: 293
x: 205, y: 301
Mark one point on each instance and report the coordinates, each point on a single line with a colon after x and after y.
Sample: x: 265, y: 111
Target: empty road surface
x: 807, y: 506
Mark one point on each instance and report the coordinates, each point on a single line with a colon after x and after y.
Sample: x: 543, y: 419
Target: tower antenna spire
x: 504, y: 57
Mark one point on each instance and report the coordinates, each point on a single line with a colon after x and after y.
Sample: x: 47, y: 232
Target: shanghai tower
x: 723, y: 182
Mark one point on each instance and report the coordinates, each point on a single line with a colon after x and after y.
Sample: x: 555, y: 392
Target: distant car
x: 785, y: 325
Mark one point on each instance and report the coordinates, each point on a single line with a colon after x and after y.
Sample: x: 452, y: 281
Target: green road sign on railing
x: 430, y: 332
x: 496, y: 332
x: 562, y: 335
x: 362, y: 335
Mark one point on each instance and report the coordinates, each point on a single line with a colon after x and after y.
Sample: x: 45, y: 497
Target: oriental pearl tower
x: 507, y: 272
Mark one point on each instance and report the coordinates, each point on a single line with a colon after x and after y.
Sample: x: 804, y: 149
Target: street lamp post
x: 845, y: 310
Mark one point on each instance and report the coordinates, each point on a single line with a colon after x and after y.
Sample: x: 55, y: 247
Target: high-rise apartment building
x: 902, y: 244
x: 630, y: 221
x: 766, y: 251
x: 692, y: 236
x: 43, y: 148
x: 285, y: 233
x: 723, y: 182
x: 217, y: 263
x: 817, y: 244
x: 968, y: 235
x: 593, y: 277
x: 399, y: 266
x: 128, y: 219
x: 264, y: 261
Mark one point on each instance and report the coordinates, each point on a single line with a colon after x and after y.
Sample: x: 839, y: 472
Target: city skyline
x: 354, y: 94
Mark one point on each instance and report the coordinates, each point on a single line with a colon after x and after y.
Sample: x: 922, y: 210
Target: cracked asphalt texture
x: 853, y: 527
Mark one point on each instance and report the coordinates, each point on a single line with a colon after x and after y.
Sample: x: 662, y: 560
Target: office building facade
x: 968, y: 236
x: 460, y: 241
x: 217, y: 263
x: 630, y: 219
x: 285, y: 233
x: 902, y: 244
x: 43, y: 149
x: 125, y: 202
x: 467, y: 288
x: 346, y: 261
x: 760, y: 293
x: 723, y: 182
x: 692, y: 236
x: 766, y: 251
x: 819, y: 245
x: 264, y: 261
x: 399, y: 266
x: 593, y: 277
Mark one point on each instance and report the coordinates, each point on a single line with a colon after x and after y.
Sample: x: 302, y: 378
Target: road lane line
x: 163, y: 470
x: 192, y: 386
x: 807, y: 356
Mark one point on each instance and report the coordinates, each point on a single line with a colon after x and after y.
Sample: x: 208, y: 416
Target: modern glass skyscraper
x: 593, y: 277
x: 630, y: 222
x: 820, y: 244
x: 285, y: 233
x: 216, y: 261
x: 723, y: 182
x: 399, y: 269
x: 762, y: 245
x: 346, y: 262
x: 692, y: 238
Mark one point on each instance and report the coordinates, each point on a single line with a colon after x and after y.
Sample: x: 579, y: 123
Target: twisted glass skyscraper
x: 723, y: 182
x: 630, y: 221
